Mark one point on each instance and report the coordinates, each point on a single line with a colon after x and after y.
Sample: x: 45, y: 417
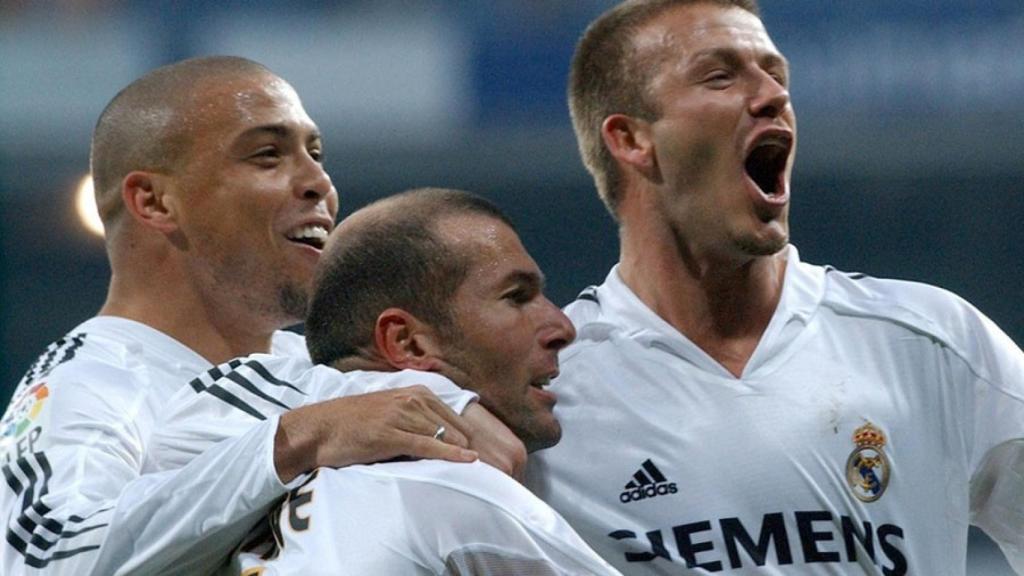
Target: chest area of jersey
x: 812, y: 462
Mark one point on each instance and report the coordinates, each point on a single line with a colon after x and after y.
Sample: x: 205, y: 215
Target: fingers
x: 423, y: 446
x: 368, y: 428
x: 427, y: 414
x: 456, y: 429
x: 496, y: 444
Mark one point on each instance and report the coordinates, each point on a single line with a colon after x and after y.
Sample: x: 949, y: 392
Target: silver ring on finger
x: 439, y: 434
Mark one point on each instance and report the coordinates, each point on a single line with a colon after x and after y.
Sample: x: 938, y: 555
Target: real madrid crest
x: 867, y: 468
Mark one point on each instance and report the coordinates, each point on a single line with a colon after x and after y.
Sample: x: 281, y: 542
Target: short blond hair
x: 606, y: 77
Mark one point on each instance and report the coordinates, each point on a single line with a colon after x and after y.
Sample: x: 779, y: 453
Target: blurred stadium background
x: 911, y: 160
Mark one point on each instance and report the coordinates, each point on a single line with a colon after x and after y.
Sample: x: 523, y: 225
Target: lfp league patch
x: 25, y: 411
x: 867, y: 469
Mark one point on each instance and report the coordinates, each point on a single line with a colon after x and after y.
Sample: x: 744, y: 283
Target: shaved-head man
x: 210, y: 183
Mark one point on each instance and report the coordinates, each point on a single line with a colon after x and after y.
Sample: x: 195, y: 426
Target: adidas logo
x: 647, y: 482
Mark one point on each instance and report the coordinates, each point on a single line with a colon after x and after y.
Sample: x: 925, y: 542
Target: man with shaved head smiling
x: 727, y: 407
x: 210, y: 183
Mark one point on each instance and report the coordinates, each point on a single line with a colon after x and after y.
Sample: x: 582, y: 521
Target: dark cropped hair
x: 141, y: 127
x: 393, y: 258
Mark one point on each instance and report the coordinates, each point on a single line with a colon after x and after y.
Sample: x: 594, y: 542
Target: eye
x: 779, y: 77
x: 316, y: 154
x: 266, y: 155
x: 518, y: 296
x: 718, y: 78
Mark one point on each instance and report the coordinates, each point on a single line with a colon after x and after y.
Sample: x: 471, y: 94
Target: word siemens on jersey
x: 821, y: 540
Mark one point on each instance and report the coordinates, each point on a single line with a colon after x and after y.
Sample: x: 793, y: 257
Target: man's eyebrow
x: 731, y: 56
x: 278, y: 130
x: 772, y: 59
x: 526, y: 277
x: 725, y: 54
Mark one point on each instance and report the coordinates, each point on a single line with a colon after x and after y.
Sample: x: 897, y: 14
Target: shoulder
x: 474, y: 482
x: 585, y: 308
x: 94, y: 354
x: 86, y: 381
x: 590, y: 315
x: 258, y: 385
x: 920, y: 307
x: 923, y: 309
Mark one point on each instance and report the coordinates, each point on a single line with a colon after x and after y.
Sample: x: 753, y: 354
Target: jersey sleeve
x: 997, y: 483
x: 227, y: 400
x: 450, y: 519
x: 74, y: 502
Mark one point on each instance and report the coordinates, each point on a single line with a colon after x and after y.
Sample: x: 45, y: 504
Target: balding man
x: 210, y: 184
x: 431, y: 283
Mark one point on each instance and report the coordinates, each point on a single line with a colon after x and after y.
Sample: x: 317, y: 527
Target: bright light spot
x: 85, y: 205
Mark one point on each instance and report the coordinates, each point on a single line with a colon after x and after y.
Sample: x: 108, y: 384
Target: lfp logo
x: 26, y: 411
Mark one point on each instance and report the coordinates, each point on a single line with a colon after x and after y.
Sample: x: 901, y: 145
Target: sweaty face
x: 254, y: 203
x: 726, y: 135
x: 506, y: 334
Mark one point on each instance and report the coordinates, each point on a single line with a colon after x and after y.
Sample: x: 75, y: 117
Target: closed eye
x: 718, y: 78
x: 270, y: 152
x: 518, y: 296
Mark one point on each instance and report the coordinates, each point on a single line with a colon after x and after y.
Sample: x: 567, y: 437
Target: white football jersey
x: 73, y: 440
x: 394, y: 518
x: 420, y: 518
x: 875, y: 421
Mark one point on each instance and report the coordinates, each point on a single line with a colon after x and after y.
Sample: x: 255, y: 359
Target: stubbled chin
x: 765, y: 244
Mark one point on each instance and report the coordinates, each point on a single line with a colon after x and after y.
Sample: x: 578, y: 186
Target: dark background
x: 911, y: 159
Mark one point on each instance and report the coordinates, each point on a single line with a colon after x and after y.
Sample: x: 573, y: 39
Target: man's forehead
x: 702, y: 27
x: 474, y: 232
x: 486, y: 239
x: 240, y: 95
x: 243, y: 104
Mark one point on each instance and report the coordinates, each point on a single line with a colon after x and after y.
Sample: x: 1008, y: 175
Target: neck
x: 366, y: 362
x: 164, y: 300
x: 721, y: 304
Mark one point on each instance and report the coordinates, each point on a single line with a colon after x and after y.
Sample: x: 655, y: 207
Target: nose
x: 314, y: 184
x: 770, y: 98
x: 558, y: 331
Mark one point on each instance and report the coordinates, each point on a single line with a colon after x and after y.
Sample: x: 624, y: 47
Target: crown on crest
x: 869, y: 435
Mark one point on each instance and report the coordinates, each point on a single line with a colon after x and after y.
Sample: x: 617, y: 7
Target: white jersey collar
x: 802, y: 291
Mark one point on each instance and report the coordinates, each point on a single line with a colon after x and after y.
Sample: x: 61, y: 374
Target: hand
x: 495, y: 443
x: 369, y: 428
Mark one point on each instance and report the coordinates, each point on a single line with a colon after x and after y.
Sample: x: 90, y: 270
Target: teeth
x: 541, y: 382
x: 311, y: 232
x: 776, y: 141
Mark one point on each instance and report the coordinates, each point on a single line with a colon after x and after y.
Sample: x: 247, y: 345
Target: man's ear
x: 405, y: 342
x: 629, y: 141
x: 144, y: 198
